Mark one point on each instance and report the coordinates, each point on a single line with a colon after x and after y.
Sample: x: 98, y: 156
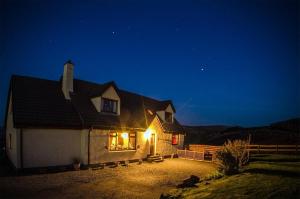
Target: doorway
x: 152, y: 144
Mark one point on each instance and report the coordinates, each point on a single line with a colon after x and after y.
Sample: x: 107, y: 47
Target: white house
x: 49, y: 123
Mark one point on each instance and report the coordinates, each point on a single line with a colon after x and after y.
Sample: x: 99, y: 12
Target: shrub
x: 233, y: 155
x: 213, y: 176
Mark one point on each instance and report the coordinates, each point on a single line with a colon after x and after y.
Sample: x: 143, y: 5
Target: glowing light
x: 124, y: 135
x: 147, y: 134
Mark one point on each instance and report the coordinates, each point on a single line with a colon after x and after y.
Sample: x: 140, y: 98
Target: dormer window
x: 109, y: 105
x: 168, y: 117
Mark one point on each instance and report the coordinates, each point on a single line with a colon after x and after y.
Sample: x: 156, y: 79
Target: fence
x: 202, y: 152
x: 273, y: 148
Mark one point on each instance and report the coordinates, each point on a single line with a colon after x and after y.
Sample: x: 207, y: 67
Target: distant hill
x: 284, y: 132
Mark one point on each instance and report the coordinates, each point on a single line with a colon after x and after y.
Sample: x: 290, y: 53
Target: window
x: 168, y: 117
x: 175, y: 139
x: 109, y: 106
x: 122, y: 141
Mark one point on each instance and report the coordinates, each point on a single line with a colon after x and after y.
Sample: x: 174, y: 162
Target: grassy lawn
x: 147, y: 180
x: 267, y: 176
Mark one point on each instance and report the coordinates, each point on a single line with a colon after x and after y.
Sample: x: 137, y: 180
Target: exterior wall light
x: 124, y: 135
x: 147, y: 134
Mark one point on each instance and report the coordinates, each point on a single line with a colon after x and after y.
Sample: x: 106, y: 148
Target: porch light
x: 147, y: 134
x: 124, y: 135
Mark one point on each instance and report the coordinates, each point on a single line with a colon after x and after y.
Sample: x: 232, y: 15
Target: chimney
x: 67, y: 80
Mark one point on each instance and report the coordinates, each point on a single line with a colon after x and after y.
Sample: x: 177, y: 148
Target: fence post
x: 185, y: 153
x: 296, y: 148
x: 258, y: 148
x: 277, y: 148
x: 194, y: 155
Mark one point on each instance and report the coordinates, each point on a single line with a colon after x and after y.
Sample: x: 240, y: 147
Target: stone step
x: 155, y: 158
x: 160, y: 160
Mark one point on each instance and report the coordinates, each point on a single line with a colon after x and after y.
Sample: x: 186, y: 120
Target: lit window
x: 122, y: 141
x: 175, y: 139
x: 109, y: 106
x: 168, y: 117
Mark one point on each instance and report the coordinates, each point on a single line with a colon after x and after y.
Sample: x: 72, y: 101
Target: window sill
x: 131, y: 150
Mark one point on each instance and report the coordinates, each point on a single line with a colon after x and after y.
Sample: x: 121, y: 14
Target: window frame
x: 117, y: 137
x: 114, y: 102
x: 170, y: 117
x: 176, y: 136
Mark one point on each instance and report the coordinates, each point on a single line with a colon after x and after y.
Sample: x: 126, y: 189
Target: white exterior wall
x: 97, y: 103
x: 51, y: 147
x: 161, y: 114
x: 13, y: 151
x: 100, y: 153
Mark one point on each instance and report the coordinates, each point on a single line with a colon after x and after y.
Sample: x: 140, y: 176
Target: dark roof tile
x: 41, y: 103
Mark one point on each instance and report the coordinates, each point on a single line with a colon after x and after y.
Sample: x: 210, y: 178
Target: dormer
x: 167, y: 114
x: 108, y: 102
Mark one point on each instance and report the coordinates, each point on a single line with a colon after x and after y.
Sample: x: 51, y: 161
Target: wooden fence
x: 208, y: 152
x: 273, y: 148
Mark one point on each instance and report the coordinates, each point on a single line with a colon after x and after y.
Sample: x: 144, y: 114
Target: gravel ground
x: 147, y: 180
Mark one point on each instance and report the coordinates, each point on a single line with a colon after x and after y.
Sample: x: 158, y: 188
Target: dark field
x: 267, y: 176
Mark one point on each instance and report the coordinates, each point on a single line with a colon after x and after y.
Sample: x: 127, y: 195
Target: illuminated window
x: 175, y: 139
x: 122, y: 141
x: 109, y: 106
x: 168, y: 117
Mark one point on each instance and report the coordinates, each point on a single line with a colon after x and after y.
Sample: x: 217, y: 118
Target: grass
x: 267, y: 176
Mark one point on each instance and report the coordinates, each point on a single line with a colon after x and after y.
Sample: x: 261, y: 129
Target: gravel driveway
x: 147, y: 180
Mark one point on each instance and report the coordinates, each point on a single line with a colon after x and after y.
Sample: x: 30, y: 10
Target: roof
x: 40, y: 103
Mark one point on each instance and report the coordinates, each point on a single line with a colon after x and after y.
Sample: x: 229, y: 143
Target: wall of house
x: 164, y: 140
x: 97, y: 103
x: 169, y: 109
x: 51, y: 147
x: 161, y: 114
x: 99, y: 148
x: 84, y: 146
x: 13, y: 151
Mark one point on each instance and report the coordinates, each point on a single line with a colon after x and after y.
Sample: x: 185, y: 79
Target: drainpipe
x: 89, y: 136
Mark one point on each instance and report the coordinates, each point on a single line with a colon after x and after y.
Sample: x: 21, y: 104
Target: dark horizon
x: 220, y: 62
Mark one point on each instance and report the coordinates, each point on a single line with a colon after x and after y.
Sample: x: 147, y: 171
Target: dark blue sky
x: 221, y: 62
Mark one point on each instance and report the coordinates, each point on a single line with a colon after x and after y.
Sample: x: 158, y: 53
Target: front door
x: 152, y: 144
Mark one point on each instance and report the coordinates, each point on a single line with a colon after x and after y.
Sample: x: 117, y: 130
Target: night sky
x: 219, y: 61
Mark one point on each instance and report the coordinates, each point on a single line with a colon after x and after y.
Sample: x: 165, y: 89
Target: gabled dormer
x: 108, y: 101
x: 167, y: 112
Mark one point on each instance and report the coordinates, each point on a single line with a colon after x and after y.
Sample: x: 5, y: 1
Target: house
x: 49, y: 123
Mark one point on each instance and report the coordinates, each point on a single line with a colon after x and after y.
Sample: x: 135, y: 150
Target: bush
x: 233, y: 155
x: 213, y: 176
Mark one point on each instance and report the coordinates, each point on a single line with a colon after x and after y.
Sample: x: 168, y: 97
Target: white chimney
x: 67, y: 80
